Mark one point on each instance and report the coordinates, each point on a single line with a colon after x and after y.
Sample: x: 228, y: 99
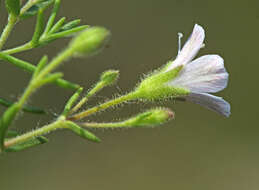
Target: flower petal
x: 191, y: 47
x: 205, y: 74
x: 211, y: 102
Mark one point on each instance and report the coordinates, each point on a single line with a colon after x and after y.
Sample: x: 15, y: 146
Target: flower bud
x: 89, y: 41
x: 150, y: 118
x: 153, y: 117
x: 109, y: 77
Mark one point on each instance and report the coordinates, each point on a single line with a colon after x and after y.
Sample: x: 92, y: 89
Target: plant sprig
x: 88, y: 41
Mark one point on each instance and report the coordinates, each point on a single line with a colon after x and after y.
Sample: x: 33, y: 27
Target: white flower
x: 201, y: 76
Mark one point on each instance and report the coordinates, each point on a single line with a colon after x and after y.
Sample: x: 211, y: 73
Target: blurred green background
x: 199, y: 150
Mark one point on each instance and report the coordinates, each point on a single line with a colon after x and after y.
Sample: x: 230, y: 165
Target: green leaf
x: 50, y: 78
x: 29, y: 109
x: 28, y: 144
x: 57, y: 26
x: 52, y: 17
x: 70, y: 25
x: 51, y: 37
x: 82, y: 132
x: 13, y: 7
x: 35, y: 8
x: 38, y: 28
x: 26, y: 66
x: 71, y: 101
x: 6, y: 120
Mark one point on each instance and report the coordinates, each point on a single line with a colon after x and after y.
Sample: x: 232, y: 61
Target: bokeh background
x: 199, y: 150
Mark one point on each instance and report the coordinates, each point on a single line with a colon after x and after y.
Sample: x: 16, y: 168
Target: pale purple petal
x: 211, y: 102
x: 205, y: 74
x: 191, y: 47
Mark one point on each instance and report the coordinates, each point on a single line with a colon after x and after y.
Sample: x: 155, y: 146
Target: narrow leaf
x: 70, y: 25
x: 82, y: 132
x: 57, y: 26
x: 71, y: 101
x: 28, y: 144
x: 6, y: 120
x: 52, y: 16
x: 66, y: 33
x: 50, y: 78
x: 31, y: 68
x: 29, y: 109
x: 38, y: 28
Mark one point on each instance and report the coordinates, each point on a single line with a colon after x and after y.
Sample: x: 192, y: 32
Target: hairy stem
x: 63, y: 56
x: 60, y: 123
x: 34, y: 84
x: 93, y: 91
x: 48, y: 69
x: 105, y: 125
x: 103, y: 106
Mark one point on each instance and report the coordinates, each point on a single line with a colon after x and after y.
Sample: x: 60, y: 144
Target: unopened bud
x: 153, y: 117
x: 89, y: 41
x: 109, y: 77
x: 150, y: 118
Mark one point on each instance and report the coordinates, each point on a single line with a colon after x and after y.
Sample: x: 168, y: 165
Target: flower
x: 190, y: 79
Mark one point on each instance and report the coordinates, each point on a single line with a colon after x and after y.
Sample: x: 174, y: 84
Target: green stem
x: 29, y: 90
x: 60, y: 123
x: 92, y: 92
x: 105, y: 125
x: 7, y: 30
x: 34, y: 84
x: 63, y: 56
x: 12, y: 20
x: 44, y: 39
x: 119, y: 100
